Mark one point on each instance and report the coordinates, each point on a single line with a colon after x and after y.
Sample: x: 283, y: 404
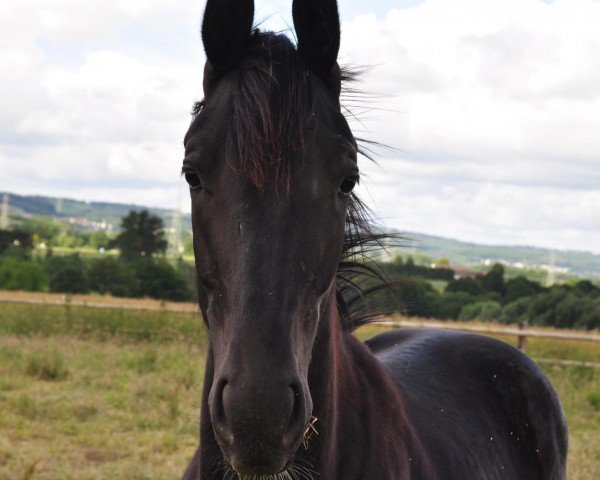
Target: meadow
x: 111, y: 394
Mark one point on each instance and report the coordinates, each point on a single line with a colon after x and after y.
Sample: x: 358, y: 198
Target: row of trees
x: 140, y: 270
x: 490, y: 297
x: 144, y: 277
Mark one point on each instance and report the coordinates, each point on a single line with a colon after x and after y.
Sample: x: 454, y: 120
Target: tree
x: 448, y: 305
x: 569, y: 311
x: 21, y: 274
x: 15, y: 238
x: 109, y: 275
x: 484, y: 311
x: 44, y: 228
x: 413, y: 297
x: 542, y: 307
x: 99, y: 240
x: 409, y: 266
x: 585, y: 287
x: 520, y: 287
x: 160, y: 280
x: 591, y: 315
x: 516, y: 311
x: 142, y: 234
x: 493, y: 281
x: 67, y: 274
x: 469, y: 285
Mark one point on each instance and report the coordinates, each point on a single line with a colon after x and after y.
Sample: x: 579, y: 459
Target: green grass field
x: 100, y: 394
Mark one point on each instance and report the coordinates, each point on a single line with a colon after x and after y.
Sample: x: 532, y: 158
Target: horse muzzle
x: 259, y: 427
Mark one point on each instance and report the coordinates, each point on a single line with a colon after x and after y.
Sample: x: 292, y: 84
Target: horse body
x: 483, y: 409
x: 289, y: 391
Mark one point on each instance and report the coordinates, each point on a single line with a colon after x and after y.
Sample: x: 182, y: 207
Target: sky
x: 492, y: 107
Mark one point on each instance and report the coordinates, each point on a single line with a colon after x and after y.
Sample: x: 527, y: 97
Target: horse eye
x: 192, y: 179
x: 348, y: 184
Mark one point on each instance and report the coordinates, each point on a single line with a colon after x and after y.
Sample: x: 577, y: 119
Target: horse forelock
x: 271, y: 107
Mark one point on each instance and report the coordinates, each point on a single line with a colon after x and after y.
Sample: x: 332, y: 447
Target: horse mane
x: 271, y: 108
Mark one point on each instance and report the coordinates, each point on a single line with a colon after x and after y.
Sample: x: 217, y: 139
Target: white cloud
x: 95, y: 103
x: 497, y: 118
x: 494, y: 105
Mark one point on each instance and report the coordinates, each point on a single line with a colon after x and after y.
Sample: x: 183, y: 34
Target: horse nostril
x: 297, y: 402
x: 298, y: 414
x: 218, y: 405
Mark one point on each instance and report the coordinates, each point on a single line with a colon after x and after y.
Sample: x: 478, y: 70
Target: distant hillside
x: 579, y: 263
x: 584, y: 264
x: 25, y: 206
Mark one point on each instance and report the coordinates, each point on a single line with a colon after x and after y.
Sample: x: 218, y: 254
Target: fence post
x: 68, y: 313
x: 522, y: 342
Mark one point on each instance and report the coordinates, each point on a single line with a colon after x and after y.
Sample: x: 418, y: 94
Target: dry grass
x: 125, y: 411
x: 128, y: 409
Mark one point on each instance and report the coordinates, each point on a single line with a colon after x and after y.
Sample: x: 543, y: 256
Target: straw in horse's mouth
x: 309, y: 432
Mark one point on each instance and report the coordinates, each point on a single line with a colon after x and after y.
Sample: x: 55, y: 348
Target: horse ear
x: 226, y: 28
x: 317, y: 24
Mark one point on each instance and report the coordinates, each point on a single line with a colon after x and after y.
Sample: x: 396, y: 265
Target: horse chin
x: 251, y: 470
x: 257, y: 464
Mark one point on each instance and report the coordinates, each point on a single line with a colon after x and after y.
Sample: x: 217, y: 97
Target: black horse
x: 289, y: 391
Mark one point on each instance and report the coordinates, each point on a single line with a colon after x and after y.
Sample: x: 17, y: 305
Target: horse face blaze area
x: 267, y: 153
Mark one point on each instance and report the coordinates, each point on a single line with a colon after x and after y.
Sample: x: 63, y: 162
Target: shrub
x: 160, y: 280
x: 590, y: 318
x: 67, y: 274
x: 585, y: 287
x: 448, y: 305
x: 520, y: 287
x: 569, y: 311
x: 109, y: 275
x: 469, y: 285
x: 18, y: 274
x: 490, y: 311
x: 515, y: 312
x: 412, y: 297
x: 47, y: 366
x: 593, y: 399
x: 542, y: 307
x: 11, y: 238
x: 485, y: 311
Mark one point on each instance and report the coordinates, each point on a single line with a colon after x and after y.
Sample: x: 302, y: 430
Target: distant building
x: 462, y: 272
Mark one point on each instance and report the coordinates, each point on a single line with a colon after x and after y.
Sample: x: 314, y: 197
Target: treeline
x: 140, y: 270
x: 144, y: 277
x: 490, y: 297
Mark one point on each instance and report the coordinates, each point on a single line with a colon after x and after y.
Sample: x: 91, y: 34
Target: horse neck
x: 362, y: 429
